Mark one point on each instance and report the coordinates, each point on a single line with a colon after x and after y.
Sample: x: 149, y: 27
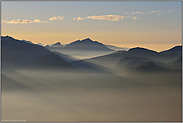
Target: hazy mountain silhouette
x: 51, y: 61
x: 17, y: 53
x: 132, y: 62
x: 177, y: 64
x: 81, y: 48
x: 65, y: 57
x: 82, y: 45
x: 58, y: 44
x: 89, y: 67
x: 150, y: 67
x: 116, y: 48
x: 112, y: 59
x: 87, y: 44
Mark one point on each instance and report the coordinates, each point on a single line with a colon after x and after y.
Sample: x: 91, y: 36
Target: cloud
x: 107, y: 17
x: 19, y: 21
x: 74, y: 19
x: 134, y: 18
x: 138, y: 12
x: 80, y: 18
x: 23, y: 21
x: 3, y: 21
x: 170, y: 11
x: 57, y: 18
x: 156, y: 11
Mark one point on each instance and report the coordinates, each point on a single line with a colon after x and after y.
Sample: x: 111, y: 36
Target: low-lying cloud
x: 107, y: 17
x: 23, y: 21
x: 57, y: 18
x: 80, y: 18
x: 138, y: 12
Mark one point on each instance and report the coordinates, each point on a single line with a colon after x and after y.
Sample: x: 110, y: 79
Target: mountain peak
x: 140, y: 49
x: 87, y: 45
x: 7, y: 37
x: 57, y: 44
x: 87, y: 39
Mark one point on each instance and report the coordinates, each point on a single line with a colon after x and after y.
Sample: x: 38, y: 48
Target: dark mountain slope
x: 65, y: 57
x: 51, y: 61
x: 174, y: 50
x: 16, y: 53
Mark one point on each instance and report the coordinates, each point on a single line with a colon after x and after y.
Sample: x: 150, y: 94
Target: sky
x: 155, y: 25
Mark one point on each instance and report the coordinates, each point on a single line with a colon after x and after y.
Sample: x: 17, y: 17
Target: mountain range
x: 81, y: 48
x: 17, y: 53
x: 110, y: 60
x: 82, y: 45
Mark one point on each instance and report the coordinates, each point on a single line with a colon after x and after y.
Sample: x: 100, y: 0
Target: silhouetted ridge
x: 87, y: 44
x: 6, y: 37
x: 176, y: 49
x: 139, y: 49
x: 57, y: 44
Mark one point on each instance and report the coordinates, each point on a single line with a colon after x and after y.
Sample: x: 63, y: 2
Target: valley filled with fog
x: 49, y: 83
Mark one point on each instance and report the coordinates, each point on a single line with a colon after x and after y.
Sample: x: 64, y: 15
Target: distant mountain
x: 87, y: 44
x: 138, y: 51
x: 112, y: 59
x: 65, y: 57
x: 150, y: 67
x: 116, y: 48
x: 51, y: 61
x: 27, y: 41
x: 132, y: 62
x: 58, y: 44
x: 89, y: 67
x: 174, y: 50
x: 81, y: 48
x: 40, y: 44
x: 16, y: 53
x: 177, y: 64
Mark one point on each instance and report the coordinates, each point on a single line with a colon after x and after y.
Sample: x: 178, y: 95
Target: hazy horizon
x: 153, y: 25
x: 150, y: 46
